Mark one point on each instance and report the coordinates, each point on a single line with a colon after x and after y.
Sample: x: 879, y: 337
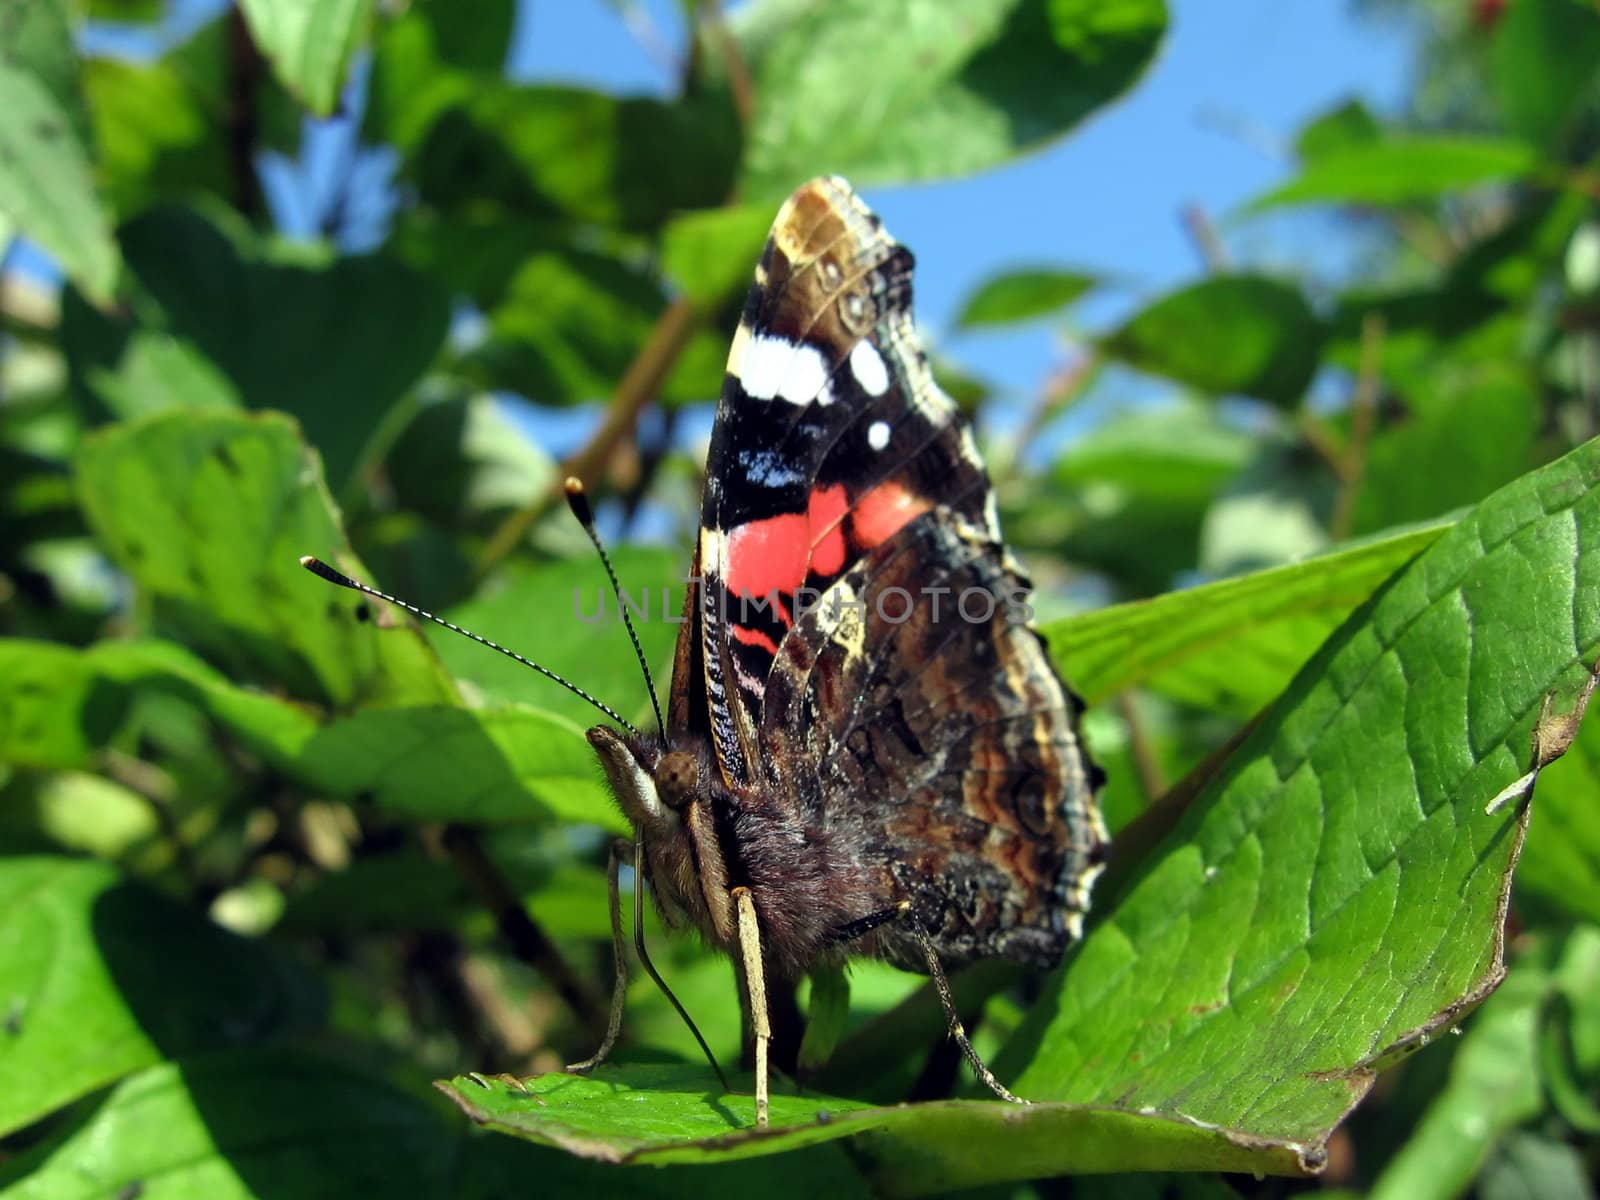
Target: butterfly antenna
x: 578, y: 502
x: 321, y: 569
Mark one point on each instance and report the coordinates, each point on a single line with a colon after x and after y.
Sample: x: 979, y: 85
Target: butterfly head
x: 631, y: 763
x: 666, y: 794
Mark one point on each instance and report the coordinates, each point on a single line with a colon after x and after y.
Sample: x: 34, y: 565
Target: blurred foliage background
x: 238, y: 810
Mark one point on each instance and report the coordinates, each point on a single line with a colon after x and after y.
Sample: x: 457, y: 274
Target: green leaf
x: 1400, y: 169
x: 159, y: 372
x: 244, y: 1125
x: 551, y: 151
x: 1130, y: 498
x: 335, y: 342
x: 157, y: 126
x: 501, y: 764
x: 562, y: 615
x: 572, y: 321
x: 309, y: 43
x: 1472, y: 430
x: 448, y: 764
x: 1493, y: 1088
x: 1560, y: 870
x: 471, y: 34
x: 1334, y: 897
x: 711, y: 253
x: 209, y: 513
x: 1535, y: 1166
x: 672, y: 1114
x: 1543, y: 65
x: 101, y: 977
x: 1342, y: 126
x: 37, y: 38
x: 58, y: 703
x: 1245, y: 334
x: 54, y: 708
x: 264, y: 1123
x: 967, y: 87
x: 1228, y: 646
x: 826, y: 1015
x: 462, y: 460
x: 46, y: 182
x: 1022, y: 295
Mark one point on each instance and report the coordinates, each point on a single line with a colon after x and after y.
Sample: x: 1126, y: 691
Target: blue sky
x: 1209, y: 124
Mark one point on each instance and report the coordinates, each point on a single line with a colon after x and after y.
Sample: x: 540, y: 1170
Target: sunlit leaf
x: 46, y: 183
x: 1023, y: 295
x: 1400, y: 169
x: 101, y: 977
x: 209, y: 514
x: 309, y: 43
x: 967, y: 87
x: 1334, y: 897
x: 1232, y: 645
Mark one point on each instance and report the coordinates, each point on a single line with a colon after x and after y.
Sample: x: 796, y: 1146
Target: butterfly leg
x: 756, y: 985
x: 619, y: 962
x: 957, y: 1030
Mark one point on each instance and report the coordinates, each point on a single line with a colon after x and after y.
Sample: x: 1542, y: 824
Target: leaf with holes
x: 208, y: 513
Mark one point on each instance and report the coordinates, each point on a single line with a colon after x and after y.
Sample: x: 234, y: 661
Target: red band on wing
x: 828, y: 504
x: 774, y: 554
x: 753, y: 637
x: 883, y: 512
x: 768, y: 555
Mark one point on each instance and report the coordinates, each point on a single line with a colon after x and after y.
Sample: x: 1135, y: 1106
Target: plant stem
x: 639, y: 385
x: 527, y: 941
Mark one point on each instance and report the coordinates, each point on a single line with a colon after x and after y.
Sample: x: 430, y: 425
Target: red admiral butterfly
x: 867, y: 750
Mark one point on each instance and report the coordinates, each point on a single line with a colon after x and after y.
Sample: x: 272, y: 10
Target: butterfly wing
x: 855, y: 675
x: 824, y: 445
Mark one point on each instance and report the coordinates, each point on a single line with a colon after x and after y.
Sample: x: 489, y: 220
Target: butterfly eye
x: 855, y: 310
x: 677, y: 778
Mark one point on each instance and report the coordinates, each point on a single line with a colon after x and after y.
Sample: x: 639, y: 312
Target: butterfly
x: 867, y: 751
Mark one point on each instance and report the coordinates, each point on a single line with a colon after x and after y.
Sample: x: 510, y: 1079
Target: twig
x: 1322, y: 443
x: 649, y: 36
x: 245, y: 67
x: 437, y: 960
x: 639, y: 385
x: 528, y: 942
x: 740, y: 84
x: 1062, y: 388
x: 1363, y: 416
x: 1151, y: 777
x: 1203, y: 233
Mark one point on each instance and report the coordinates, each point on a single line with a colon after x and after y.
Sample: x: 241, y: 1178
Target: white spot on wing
x: 774, y: 367
x: 867, y: 366
x: 877, y: 432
